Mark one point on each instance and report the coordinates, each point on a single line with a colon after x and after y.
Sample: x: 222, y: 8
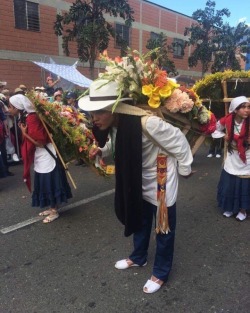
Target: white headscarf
x: 237, y: 102
x: 21, y: 102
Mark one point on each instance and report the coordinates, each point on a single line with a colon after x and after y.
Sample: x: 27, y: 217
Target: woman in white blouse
x: 234, y: 185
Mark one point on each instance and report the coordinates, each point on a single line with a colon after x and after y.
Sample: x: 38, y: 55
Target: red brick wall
x: 15, y: 39
x: 45, y: 42
x: 16, y: 73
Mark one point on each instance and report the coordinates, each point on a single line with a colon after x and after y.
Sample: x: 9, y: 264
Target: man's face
x: 102, y: 119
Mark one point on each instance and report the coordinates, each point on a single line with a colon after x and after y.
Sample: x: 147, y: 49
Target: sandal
x: 46, y: 212
x: 50, y: 218
x: 152, y: 286
x: 124, y: 264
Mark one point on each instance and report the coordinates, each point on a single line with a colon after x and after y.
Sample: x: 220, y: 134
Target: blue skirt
x: 51, y: 189
x: 233, y: 193
x: 3, y: 172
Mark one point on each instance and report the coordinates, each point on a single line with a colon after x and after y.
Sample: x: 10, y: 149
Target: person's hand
x: 23, y: 128
x: 40, y: 145
x: 94, y: 151
x: 187, y: 176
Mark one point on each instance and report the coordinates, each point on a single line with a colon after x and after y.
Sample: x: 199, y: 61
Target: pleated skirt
x: 51, y: 189
x: 233, y: 193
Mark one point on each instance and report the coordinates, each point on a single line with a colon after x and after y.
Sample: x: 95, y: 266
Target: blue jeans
x: 164, y: 243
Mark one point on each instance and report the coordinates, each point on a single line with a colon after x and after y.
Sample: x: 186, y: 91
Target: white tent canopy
x: 67, y: 72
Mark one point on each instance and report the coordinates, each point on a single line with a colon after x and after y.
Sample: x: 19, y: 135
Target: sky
x: 240, y: 10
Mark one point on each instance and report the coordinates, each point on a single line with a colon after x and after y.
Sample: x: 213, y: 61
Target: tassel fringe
x: 162, y: 225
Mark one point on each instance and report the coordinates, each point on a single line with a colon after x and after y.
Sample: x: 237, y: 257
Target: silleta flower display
x: 68, y: 127
x: 140, y: 78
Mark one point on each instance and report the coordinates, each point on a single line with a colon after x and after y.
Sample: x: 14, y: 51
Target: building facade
x: 26, y: 35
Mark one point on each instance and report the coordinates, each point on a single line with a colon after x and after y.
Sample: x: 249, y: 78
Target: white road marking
x: 36, y: 219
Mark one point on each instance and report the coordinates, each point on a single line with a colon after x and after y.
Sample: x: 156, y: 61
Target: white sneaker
x: 15, y: 158
x: 218, y: 156
x: 210, y: 155
x: 241, y: 216
x: 227, y: 214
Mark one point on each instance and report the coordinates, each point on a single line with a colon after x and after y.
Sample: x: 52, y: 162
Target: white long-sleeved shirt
x: 179, y: 159
x: 233, y: 163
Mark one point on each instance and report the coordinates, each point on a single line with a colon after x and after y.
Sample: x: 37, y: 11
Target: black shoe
x: 10, y: 173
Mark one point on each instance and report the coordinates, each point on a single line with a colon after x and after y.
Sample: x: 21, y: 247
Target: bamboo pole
x: 57, y: 152
x: 226, y: 100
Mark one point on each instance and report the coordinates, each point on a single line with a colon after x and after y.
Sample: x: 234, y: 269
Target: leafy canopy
x: 231, y: 41
x: 204, y: 34
x: 160, y: 41
x: 85, y: 24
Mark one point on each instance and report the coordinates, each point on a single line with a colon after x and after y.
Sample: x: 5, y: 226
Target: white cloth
x: 233, y: 163
x: 107, y: 149
x: 179, y: 159
x: 173, y: 140
x: 23, y: 103
x: 43, y: 161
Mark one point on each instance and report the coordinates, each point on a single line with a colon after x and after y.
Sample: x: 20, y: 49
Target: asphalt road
x: 68, y: 266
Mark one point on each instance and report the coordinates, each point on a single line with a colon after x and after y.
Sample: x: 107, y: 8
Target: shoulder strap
x: 146, y: 133
x: 50, y: 152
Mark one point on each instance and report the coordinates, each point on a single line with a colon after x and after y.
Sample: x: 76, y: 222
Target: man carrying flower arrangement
x: 148, y: 153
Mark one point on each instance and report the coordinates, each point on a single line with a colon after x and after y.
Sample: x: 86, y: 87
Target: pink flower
x: 179, y: 102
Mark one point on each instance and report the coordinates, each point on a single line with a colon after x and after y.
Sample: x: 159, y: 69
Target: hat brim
x: 86, y: 104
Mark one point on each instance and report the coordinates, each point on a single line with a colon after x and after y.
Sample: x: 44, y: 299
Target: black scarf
x: 128, y: 164
x: 100, y: 135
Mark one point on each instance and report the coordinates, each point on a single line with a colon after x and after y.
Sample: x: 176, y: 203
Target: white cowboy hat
x: 237, y: 102
x: 102, y: 94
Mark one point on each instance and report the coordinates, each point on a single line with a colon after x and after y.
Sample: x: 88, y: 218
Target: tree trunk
x: 92, y: 68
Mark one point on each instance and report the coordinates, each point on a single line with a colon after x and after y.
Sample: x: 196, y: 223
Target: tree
x: 203, y: 34
x: 86, y: 25
x: 160, y: 41
x: 231, y: 41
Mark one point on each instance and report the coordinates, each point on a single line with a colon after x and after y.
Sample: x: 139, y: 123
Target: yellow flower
x: 147, y: 90
x: 165, y: 91
x: 154, y: 101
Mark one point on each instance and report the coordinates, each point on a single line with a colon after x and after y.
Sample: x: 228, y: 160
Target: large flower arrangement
x: 140, y: 78
x: 68, y: 128
x: 210, y: 86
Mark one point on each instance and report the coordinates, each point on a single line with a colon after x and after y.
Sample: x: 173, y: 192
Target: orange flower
x: 161, y: 78
x: 118, y: 59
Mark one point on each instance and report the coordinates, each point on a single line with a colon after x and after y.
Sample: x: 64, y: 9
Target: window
x: 26, y: 15
x: 178, y: 45
x: 122, y: 35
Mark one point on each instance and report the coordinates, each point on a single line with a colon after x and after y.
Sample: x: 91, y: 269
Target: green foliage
x: 85, y: 24
x: 162, y: 54
x: 230, y: 39
x: 203, y: 34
